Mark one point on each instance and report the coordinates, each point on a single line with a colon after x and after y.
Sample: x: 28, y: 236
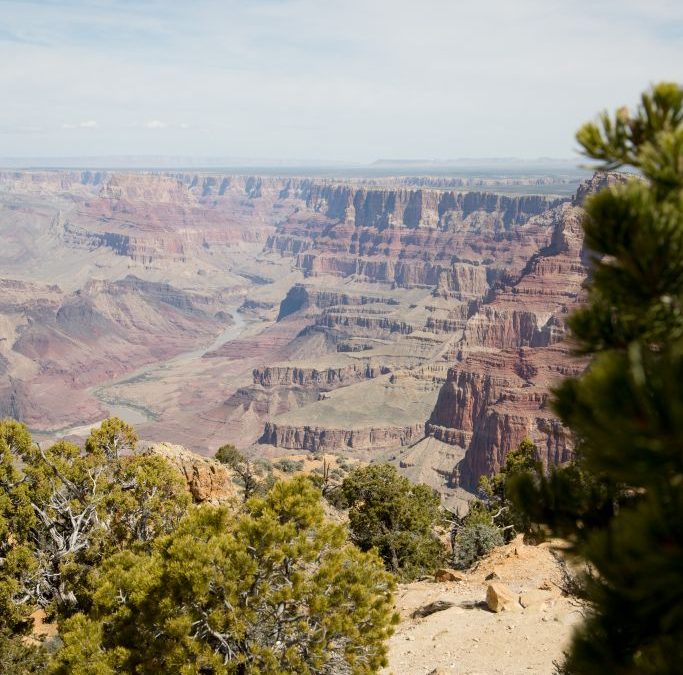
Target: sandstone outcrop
x: 325, y: 378
x: 443, y: 575
x: 208, y: 481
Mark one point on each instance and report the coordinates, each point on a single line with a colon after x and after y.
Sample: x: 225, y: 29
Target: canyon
x: 420, y: 321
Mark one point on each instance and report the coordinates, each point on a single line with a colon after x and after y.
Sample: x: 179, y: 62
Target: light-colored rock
x: 568, y: 618
x: 534, y: 598
x: 208, y: 481
x: 325, y: 439
x: 499, y: 598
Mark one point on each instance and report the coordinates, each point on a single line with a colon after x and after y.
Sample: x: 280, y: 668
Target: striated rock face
x: 328, y: 378
x: 599, y: 181
x: 512, y: 328
x: 513, y: 350
x: 156, y: 218
x: 303, y: 297
x: 421, y: 208
x: 317, y: 439
x: 454, y: 241
x: 309, y: 313
x: 363, y: 324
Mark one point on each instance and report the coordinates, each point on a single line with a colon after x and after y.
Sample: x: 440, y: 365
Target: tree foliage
x: 277, y: 589
x: 495, y: 489
x: 621, y: 503
x: 473, y: 541
x: 20, y: 657
x: 389, y: 513
x: 493, y: 519
x: 63, y: 511
x: 248, y: 474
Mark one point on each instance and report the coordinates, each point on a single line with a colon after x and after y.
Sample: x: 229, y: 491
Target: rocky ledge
x: 208, y: 481
x: 316, y: 439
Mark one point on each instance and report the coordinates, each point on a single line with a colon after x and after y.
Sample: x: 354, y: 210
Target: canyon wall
x: 455, y: 241
x: 513, y: 350
x: 326, y: 378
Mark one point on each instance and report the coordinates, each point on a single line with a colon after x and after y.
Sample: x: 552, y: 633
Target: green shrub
x: 398, y: 518
x: 18, y: 657
x: 277, y: 590
x: 289, y: 465
x: 472, y: 542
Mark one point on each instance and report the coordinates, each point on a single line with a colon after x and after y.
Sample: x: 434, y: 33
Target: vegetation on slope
x: 107, y: 543
x: 397, y: 518
x: 273, y: 589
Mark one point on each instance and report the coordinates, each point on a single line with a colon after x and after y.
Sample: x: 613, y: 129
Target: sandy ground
x: 468, y: 639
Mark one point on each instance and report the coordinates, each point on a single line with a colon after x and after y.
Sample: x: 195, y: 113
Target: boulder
x: 499, y: 598
x: 208, y: 481
x: 533, y: 598
x: 445, y: 574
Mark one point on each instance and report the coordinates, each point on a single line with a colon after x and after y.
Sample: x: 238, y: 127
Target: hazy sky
x: 352, y: 80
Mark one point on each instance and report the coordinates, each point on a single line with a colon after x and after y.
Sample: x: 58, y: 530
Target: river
x: 137, y: 414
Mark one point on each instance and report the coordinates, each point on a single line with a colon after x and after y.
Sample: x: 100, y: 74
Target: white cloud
x: 85, y: 124
x: 296, y: 78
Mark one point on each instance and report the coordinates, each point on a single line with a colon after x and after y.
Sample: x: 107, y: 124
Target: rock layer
x: 325, y: 439
x: 513, y: 350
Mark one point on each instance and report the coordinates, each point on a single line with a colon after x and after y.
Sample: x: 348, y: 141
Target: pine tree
x: 494, y: 489
x: 276, y: 590
x: 398, y: 518
x: 63, y: 511
x: 620, y: 504
x: 251, y: 476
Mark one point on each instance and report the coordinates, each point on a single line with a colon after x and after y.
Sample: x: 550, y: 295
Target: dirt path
x: 468, y: 639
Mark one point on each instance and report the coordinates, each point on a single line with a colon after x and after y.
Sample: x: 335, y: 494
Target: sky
x: 323, y: 80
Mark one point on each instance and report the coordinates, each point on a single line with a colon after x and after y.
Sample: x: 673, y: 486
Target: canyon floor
x: 469, y: 639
